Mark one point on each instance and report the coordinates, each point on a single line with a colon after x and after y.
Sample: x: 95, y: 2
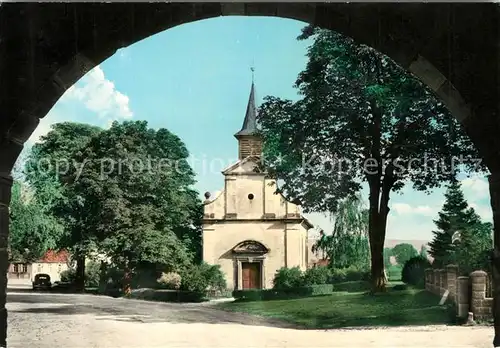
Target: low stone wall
x: 467, y: 293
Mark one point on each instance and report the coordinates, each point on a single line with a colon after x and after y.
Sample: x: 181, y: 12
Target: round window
x: 250, y: 196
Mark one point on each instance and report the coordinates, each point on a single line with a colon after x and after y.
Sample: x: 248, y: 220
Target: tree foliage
x: 361, y: 118
x: 32, y: 230
x: 46, y: 166
x: 135, y: 194
x: 473, y: 249
x: 348, y: 245
x: 456, y: 218
x: 387, y: 256
x: 423, y: 252
x: 413, y: 272
x: 403, y: 252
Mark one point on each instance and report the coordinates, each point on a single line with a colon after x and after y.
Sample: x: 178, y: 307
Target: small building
x: 52, y: 263
x: 249, y: 229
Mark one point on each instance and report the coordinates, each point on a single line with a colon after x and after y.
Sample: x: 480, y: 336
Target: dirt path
x: 43, y: 321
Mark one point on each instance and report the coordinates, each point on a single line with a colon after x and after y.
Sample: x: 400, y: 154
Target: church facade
x: 248, y: 229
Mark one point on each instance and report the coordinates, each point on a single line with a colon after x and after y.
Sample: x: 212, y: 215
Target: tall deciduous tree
x: 33, y: 231
x: 136, y: 197
x: 361, y: 118
x: 47, y: 163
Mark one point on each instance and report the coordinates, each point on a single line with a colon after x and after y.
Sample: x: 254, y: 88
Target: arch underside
x: 440, y: 43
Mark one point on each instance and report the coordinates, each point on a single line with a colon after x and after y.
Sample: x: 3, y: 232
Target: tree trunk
x: 379, y: 210
x: 494, y: 181
x: 80, y: 273
x: 374, y: 233
x: 127, y: 280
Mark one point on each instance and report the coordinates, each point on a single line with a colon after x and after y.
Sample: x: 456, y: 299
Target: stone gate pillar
x: 451, y: 281
x: 478, y: 305
x: 5, y: 193
x: 462, y: 297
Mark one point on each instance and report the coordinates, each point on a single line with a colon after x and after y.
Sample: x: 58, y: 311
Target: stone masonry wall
x: 437, y: 281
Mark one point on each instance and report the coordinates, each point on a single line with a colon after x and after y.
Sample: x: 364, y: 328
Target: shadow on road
x: 134, y: 311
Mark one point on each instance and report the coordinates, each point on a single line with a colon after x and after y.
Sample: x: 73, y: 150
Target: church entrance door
x: 250, y: 275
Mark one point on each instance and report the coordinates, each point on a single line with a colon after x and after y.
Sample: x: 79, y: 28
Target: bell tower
x: 249, y: 140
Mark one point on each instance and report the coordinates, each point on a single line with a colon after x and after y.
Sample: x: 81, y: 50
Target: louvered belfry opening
x: 249, y: 146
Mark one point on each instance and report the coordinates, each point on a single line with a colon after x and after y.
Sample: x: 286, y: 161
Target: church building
x: 248, y: 229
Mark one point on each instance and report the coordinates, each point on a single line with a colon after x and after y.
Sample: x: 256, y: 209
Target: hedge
x: 394, y: 273
x: 273, y: 294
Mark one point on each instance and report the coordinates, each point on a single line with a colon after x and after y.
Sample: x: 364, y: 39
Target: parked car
x: 41, y: 282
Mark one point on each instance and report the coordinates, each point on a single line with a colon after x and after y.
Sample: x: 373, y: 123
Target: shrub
x: 111, y: 282
x: 92, y: 274
x: 68, y: 275
x: 349, y: 274
x: 199, y: 278
x: 286, y: 278
x: 284, y: 293
x: 170, y: 280
x: 317, y: 275
x: 414, y: 271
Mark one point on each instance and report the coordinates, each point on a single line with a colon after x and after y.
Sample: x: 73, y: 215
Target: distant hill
x: 417, y: 244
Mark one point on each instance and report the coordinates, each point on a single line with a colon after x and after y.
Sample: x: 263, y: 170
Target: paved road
x: 42, y: 320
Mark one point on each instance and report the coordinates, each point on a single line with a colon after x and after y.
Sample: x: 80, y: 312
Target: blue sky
x: 194, y: 80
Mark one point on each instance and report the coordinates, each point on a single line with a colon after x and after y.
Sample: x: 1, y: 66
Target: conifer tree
x: 455, y: 216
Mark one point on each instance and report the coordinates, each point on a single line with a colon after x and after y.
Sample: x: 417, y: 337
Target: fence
x: 469, y: 294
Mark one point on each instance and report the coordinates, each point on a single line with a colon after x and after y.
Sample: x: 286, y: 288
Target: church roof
x: 241, y: 163
x: 250, y: 122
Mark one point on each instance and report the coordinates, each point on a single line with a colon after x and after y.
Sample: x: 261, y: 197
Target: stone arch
x: 413, y: 35
x: 46, y: 48
x: 250, y: 247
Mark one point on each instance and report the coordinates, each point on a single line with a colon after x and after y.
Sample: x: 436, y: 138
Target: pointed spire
x: 250, y: 123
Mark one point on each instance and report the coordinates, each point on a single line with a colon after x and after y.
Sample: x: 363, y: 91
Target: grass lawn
x: 351, y: 309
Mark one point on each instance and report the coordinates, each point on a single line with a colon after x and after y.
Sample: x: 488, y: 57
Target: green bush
x: 68, y: 275
x: 170, y: 280
x: 316, y: 275
x: 348, y: 275
x: 199, y: 278
x: 111, y: 282
x: 92, y: 274
x: 284, y: 293
x: 287, y: 278
x: 394, y: 273
x: 414, y: 271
